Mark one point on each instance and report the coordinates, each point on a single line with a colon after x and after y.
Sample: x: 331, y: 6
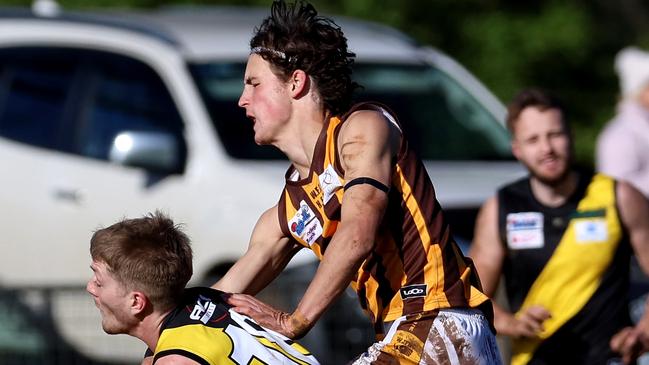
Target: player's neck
x: 148, y: 330
x: 306, y: 128
x: 554, y: 195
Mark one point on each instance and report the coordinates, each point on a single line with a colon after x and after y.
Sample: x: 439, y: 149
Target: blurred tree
x: 546, y: 46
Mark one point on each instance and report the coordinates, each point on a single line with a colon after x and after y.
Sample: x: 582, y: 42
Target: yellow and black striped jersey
x: 204, y: 329
x: 415, y: 266
x: 571, y: 259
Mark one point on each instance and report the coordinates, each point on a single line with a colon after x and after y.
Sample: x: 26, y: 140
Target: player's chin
x: 110, y: 327
x: 260, y: 141
x: 112, y: 330
x: 553, y: 175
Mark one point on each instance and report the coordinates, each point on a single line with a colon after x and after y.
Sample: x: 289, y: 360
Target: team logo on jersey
x: 305, y: 225
x: 525, y: 230
x: 330, y: 183
x: 413, y: 291
x: 203, y: 309
x: 590, y: 230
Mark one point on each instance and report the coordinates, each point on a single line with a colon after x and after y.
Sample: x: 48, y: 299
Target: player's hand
x: 630, y: 342
x: 290, y: 325
x: 529, y: 322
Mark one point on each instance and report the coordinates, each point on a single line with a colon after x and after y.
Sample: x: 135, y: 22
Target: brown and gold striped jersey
x: 415, y: 265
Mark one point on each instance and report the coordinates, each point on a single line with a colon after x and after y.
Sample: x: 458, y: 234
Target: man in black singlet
x: 563, y: 238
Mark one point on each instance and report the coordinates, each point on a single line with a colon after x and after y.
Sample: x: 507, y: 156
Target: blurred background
x: 68, y: 101
x: 565, y: 46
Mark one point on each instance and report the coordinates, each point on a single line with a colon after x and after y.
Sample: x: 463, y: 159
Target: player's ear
x: 139, y: 302
x: 299, y: 83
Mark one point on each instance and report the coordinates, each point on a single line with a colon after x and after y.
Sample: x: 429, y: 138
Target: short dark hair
x: 295, y: 37
x: 150, y: 254
x: 533, y: 97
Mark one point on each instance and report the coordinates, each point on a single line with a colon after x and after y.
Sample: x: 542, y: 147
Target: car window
x: 78, y: 100
x: 438, y: 115
x: 122, y: 94
x: 36, y: 91
x: 221, y: 85
x: 442, y: 120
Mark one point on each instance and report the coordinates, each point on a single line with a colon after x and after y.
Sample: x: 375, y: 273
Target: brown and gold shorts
x: 446, y: 336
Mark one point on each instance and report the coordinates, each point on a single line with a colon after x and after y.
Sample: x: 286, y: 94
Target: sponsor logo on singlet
x: 330, y: 183
x: 525, y: 230
x: 590, y: 230
x: 203, y: 309
x: 305, y: 225
x: 301, y: 218
x: 413, y: 291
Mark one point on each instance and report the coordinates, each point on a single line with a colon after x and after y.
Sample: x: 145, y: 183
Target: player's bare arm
x: 486, y: 250
x: 634, y: 210
x: 268, y: 253
x: 488, y: 254
x: 367, y: 144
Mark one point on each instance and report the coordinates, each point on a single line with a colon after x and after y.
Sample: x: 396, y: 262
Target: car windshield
x: 441, y: 119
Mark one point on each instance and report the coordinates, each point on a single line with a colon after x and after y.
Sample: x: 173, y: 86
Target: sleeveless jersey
x: 415, y: 265
x: 572, y: 260
x: 204, y: 329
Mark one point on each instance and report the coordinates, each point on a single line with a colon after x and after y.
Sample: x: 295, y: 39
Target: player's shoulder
x: 364, y: 118
x: 199, y: 305
x: 370, y: 125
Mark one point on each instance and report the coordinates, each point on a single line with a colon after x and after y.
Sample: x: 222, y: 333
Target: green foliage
x: 511, y: 51
x: 507, y: 45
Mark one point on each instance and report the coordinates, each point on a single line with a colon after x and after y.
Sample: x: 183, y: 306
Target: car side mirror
x: 153, y: 151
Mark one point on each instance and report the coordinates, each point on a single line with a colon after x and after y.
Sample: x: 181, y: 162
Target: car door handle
x: 71, y: 195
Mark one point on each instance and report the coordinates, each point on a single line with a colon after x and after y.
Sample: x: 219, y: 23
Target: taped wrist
x: 300, y: 325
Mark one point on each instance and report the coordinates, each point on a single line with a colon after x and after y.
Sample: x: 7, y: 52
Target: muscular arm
x: 634, y: 214
x: 487, y: 251
x: 367, y: 146
x: 488, y: 254
x: 268, y: 253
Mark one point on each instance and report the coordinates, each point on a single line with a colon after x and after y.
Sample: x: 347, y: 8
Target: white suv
x: 109, y: 115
